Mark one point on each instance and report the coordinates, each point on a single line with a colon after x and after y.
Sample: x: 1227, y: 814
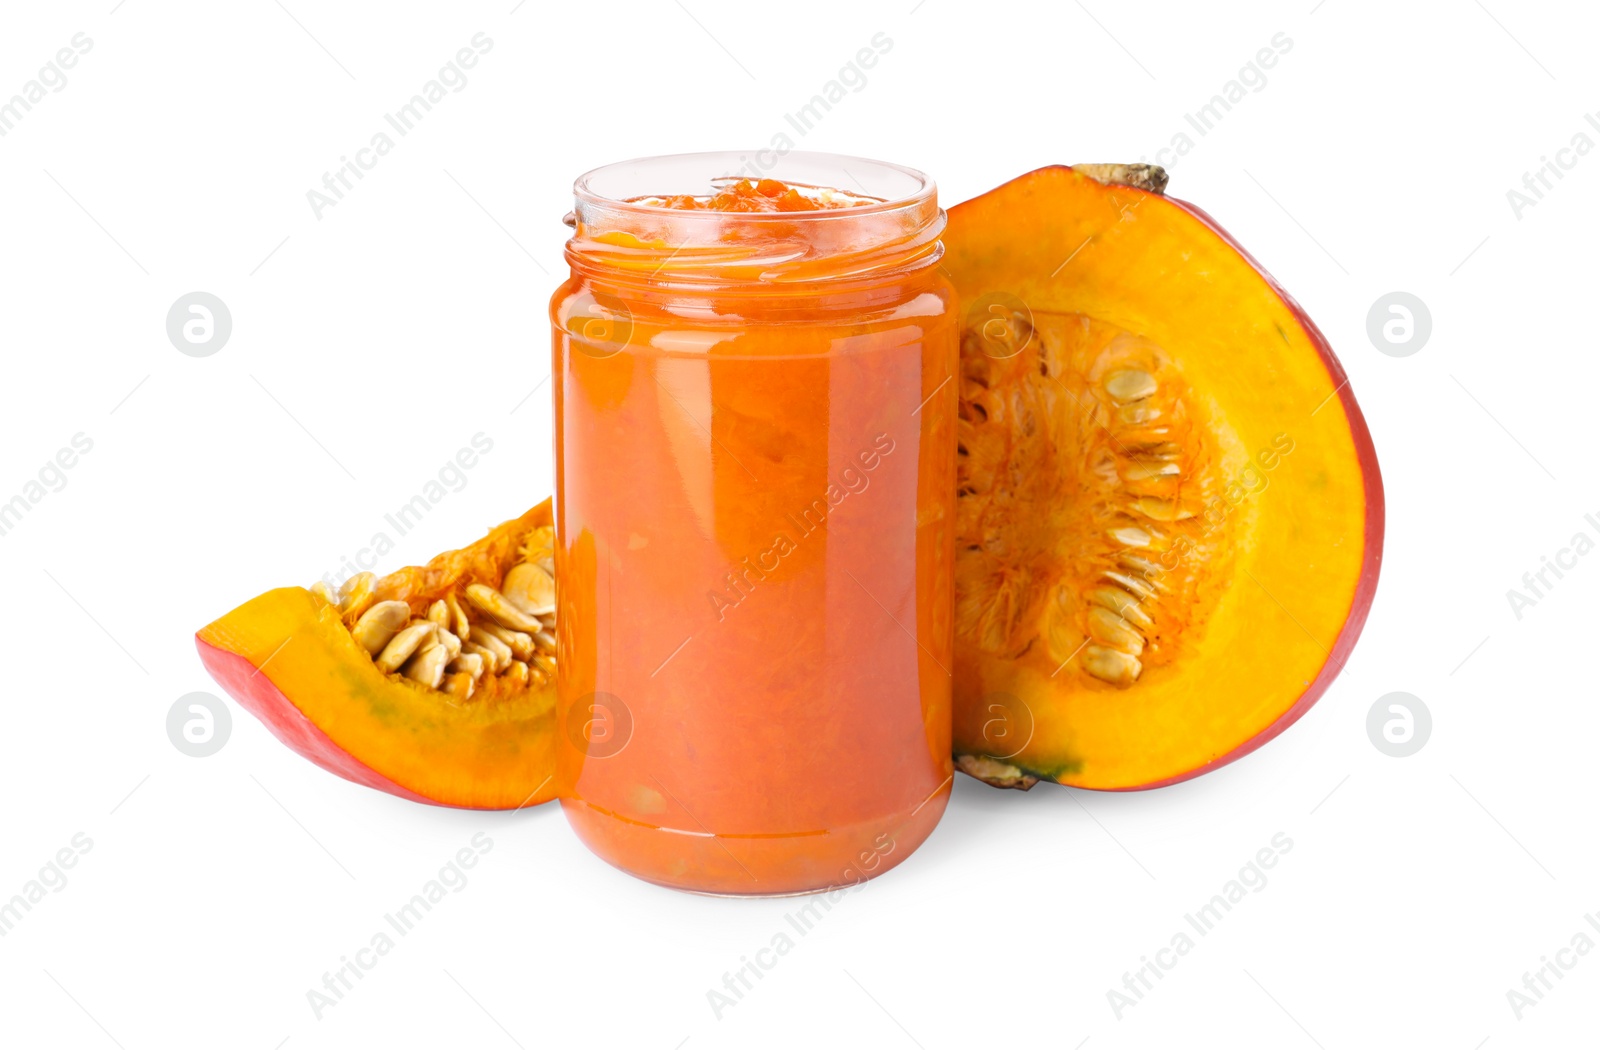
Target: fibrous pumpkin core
x: 476, y: 624
x: 1085, y: 469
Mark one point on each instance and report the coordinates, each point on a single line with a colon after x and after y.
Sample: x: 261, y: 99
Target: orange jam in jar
x: 755, y: 500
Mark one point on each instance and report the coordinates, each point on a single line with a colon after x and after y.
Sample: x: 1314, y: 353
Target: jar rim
x: 907, y: 188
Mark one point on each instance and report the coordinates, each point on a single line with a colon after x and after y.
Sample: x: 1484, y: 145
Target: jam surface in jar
x: 764, y: 195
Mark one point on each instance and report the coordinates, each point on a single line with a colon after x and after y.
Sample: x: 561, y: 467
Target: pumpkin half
x: 1170, y: 516
x: 434, y: 683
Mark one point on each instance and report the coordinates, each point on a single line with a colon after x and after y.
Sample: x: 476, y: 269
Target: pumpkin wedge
x: 434, y: 683
x: 1170, y: 516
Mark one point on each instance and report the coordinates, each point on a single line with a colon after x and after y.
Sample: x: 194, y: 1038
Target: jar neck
x: 620, y: 240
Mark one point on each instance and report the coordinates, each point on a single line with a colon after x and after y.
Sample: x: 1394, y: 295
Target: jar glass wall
x: 755, y: 509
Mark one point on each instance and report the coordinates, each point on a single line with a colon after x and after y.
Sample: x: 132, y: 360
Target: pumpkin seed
x: 458, y: 616
x: 1137, y: 412
x: 1145, y: 569
x: 495, y: 604
x: 468, y: 663
x: 1157, y: 509
x: 530, y: 588
x: 460, y: 685
x: 1144, y: 471
x: 1130, y: 384
x: 490, y: 658
x: 1111, y: 630
x: 356, y: 596
x: 360, y: 581
x: 520, y: 644
x: 427, y: 666
x: 379, y: 624
x: 502, y: 652
x: 1109, y: 665
x: 1134, y: 586
x: 1123, y: 604
x: 1130, y: 536
x: 400, y: 648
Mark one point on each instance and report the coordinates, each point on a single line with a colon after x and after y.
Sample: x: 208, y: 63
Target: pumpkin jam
x: 755, y: 509
x: 766, y: 195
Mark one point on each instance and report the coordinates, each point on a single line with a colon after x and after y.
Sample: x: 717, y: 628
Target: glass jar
x: 755, y: 504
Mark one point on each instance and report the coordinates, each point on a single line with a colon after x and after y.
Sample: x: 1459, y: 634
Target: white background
x: 372, y: 343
